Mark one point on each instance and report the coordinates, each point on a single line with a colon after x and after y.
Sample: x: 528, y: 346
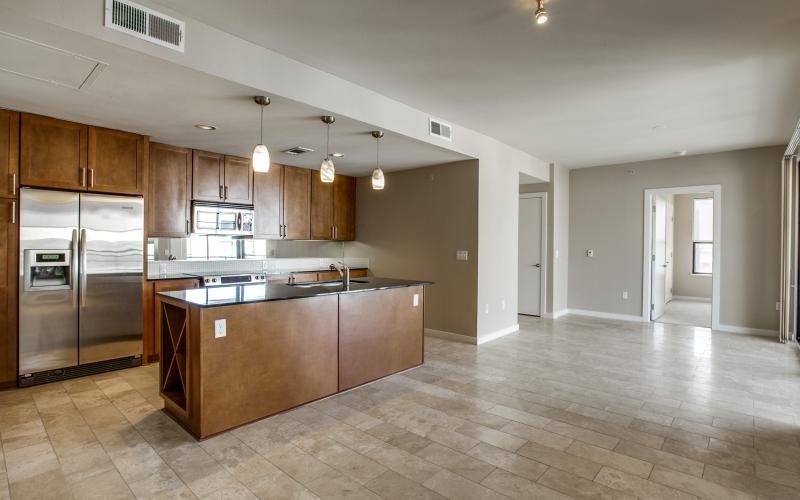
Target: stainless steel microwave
x: 214, y: 218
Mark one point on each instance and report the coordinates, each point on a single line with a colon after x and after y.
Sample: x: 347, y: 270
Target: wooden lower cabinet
x: 380, y: 333
x: 274, y: 356
x: 8, y: 292
x: 151, y: 326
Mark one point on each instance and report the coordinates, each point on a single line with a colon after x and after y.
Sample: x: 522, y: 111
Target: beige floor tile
x: 508, y: 461
x: 708, y: 456
x: 107, y: 484
x: 463, y: 465
x: 24, y: 463
x: 536, y: 435
x: 638, y: 486
x: 491, y: 436
x: 517, y: 487
x: 581, y: 434
x: 520, y: 416
x: 455, y: 487
x: 560, y: 460
x: 335, y: 486
x: 392, y: 486
x: 609, y: 458
x: 695, y: 485
x: 43, y: 486
x: 753, y: 485
x: 778, y: 476
x: 578, y: 487
x: 658, y: 457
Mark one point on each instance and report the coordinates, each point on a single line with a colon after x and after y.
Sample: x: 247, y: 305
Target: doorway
x: 682, y: 256
x: 532, y: 256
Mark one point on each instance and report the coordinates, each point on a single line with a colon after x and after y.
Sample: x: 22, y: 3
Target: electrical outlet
x: 462, y: 255
x: 220, y: 327
x: 416, y: 300
x: 625, y: 295
x: 590, y: 253
x: 503, y: 304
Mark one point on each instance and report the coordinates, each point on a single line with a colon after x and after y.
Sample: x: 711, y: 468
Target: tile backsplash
x: 159, y: 268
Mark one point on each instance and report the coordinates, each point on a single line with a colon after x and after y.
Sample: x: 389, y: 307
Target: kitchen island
x: 235, y: 354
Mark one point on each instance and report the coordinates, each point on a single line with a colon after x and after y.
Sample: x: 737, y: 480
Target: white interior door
x: 530, y: 256
x: 659, y: 257
x: 670, y: 248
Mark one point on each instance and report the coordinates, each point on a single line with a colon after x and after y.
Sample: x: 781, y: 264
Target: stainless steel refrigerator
x: 80, y: 284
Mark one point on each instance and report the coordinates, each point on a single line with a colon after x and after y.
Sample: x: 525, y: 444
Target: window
x: 703, y: 236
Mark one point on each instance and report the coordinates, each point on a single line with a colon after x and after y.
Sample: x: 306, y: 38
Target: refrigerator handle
x: 75, y: 260
x: 82, y: 267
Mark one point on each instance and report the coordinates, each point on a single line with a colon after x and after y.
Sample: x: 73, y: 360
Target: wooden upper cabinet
x: 296, y: 203
x: 9, y: 153
x: 116, y: 161
x: 169, y: 191
x: 53, y: 153
x: 321, y: 209
x: 267, y: 187
x: 344, y: 208
x: 238, y: 180
x: 207, y: 176
x: 8, y: 292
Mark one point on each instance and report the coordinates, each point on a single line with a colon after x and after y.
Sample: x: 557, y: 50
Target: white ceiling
x: 125, y: 97
x: 605, y: 81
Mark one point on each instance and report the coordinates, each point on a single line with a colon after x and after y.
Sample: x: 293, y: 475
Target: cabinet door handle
x: 91, y: 177
x: 220, y: 192
x: 13, y: 184
x: 187, y: 226
x: 83, y: 176
x: 226, y: 192
x: 13, y: 212
x: 283, y: 231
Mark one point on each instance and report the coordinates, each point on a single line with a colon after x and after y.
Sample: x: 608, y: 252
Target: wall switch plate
x: 625, y: 295
x: 220, y: 328
x: 590, y: 253
x: 416, y: 300
x: 503, y: 304
x: 487, y: 309
x: 462, y: 255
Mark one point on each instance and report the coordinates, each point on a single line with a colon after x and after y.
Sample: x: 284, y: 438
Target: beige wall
x: 684, y: 283
x: 413, y: 228
x: 606, y: 214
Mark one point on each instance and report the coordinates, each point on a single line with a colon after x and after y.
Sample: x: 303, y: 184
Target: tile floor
x: 581, y: 408
x: 687, y: 312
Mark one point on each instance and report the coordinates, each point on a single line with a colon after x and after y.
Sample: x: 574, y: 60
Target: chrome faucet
x: 344, y: 272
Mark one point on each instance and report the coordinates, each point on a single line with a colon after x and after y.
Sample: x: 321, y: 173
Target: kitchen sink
x: 328, y: 284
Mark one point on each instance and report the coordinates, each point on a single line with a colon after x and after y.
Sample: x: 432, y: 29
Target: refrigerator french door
x: 81, y: 264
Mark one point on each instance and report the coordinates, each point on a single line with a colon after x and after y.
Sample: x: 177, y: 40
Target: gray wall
x: 684, y: 283
x: 413, y: 228
x: 606, y: 214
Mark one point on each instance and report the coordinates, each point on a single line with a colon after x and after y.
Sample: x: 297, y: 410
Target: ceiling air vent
x: 297, y: 150
x: 440, y: 129
x: 144, y: 23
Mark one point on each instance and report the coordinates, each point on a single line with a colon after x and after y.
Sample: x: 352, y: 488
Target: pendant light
x: 541, y: 14
x: 378, y: 179
x: 260, y: 152
x: 327, y: 170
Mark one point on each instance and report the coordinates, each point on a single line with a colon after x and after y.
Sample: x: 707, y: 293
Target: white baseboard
x: 747, y: 330
x: 455, y: 337
x: 556, y: 315
x: 691, y: 299
x: 488, y: 337
x: 605, y: 315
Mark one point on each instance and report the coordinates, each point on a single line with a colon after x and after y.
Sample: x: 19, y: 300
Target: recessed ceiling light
x: 337, y: 155
x: 203, y: 126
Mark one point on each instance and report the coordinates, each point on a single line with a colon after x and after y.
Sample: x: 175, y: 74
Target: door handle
x: 13, y: 184
x: 13, y: 212
x: 91, y: 177
x: 536, y: 265
x: 74, y: 273
x: 82, y: 267
x: 83, y: 176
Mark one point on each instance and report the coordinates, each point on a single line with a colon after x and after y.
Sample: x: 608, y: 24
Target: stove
x: 230, y: 278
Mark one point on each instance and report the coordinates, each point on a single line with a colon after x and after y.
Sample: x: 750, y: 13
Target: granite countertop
x: 183, y: 276
x: 246, y: 294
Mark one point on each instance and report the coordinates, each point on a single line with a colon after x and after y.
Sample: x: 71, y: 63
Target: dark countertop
x: 246, y: 294
x: 183, y: 276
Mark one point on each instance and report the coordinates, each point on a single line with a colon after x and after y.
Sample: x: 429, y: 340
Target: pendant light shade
x: 327, y: 170
x: 260, y: 152
x: 378, y: 179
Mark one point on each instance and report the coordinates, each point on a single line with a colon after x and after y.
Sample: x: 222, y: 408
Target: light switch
x: 625, y: 295
x: 416, y: 300
x: 590, y: 253
x: 220, y: 327
x: 462, y: 255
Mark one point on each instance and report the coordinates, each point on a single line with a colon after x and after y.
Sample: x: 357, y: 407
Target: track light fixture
x: 541, y: 13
